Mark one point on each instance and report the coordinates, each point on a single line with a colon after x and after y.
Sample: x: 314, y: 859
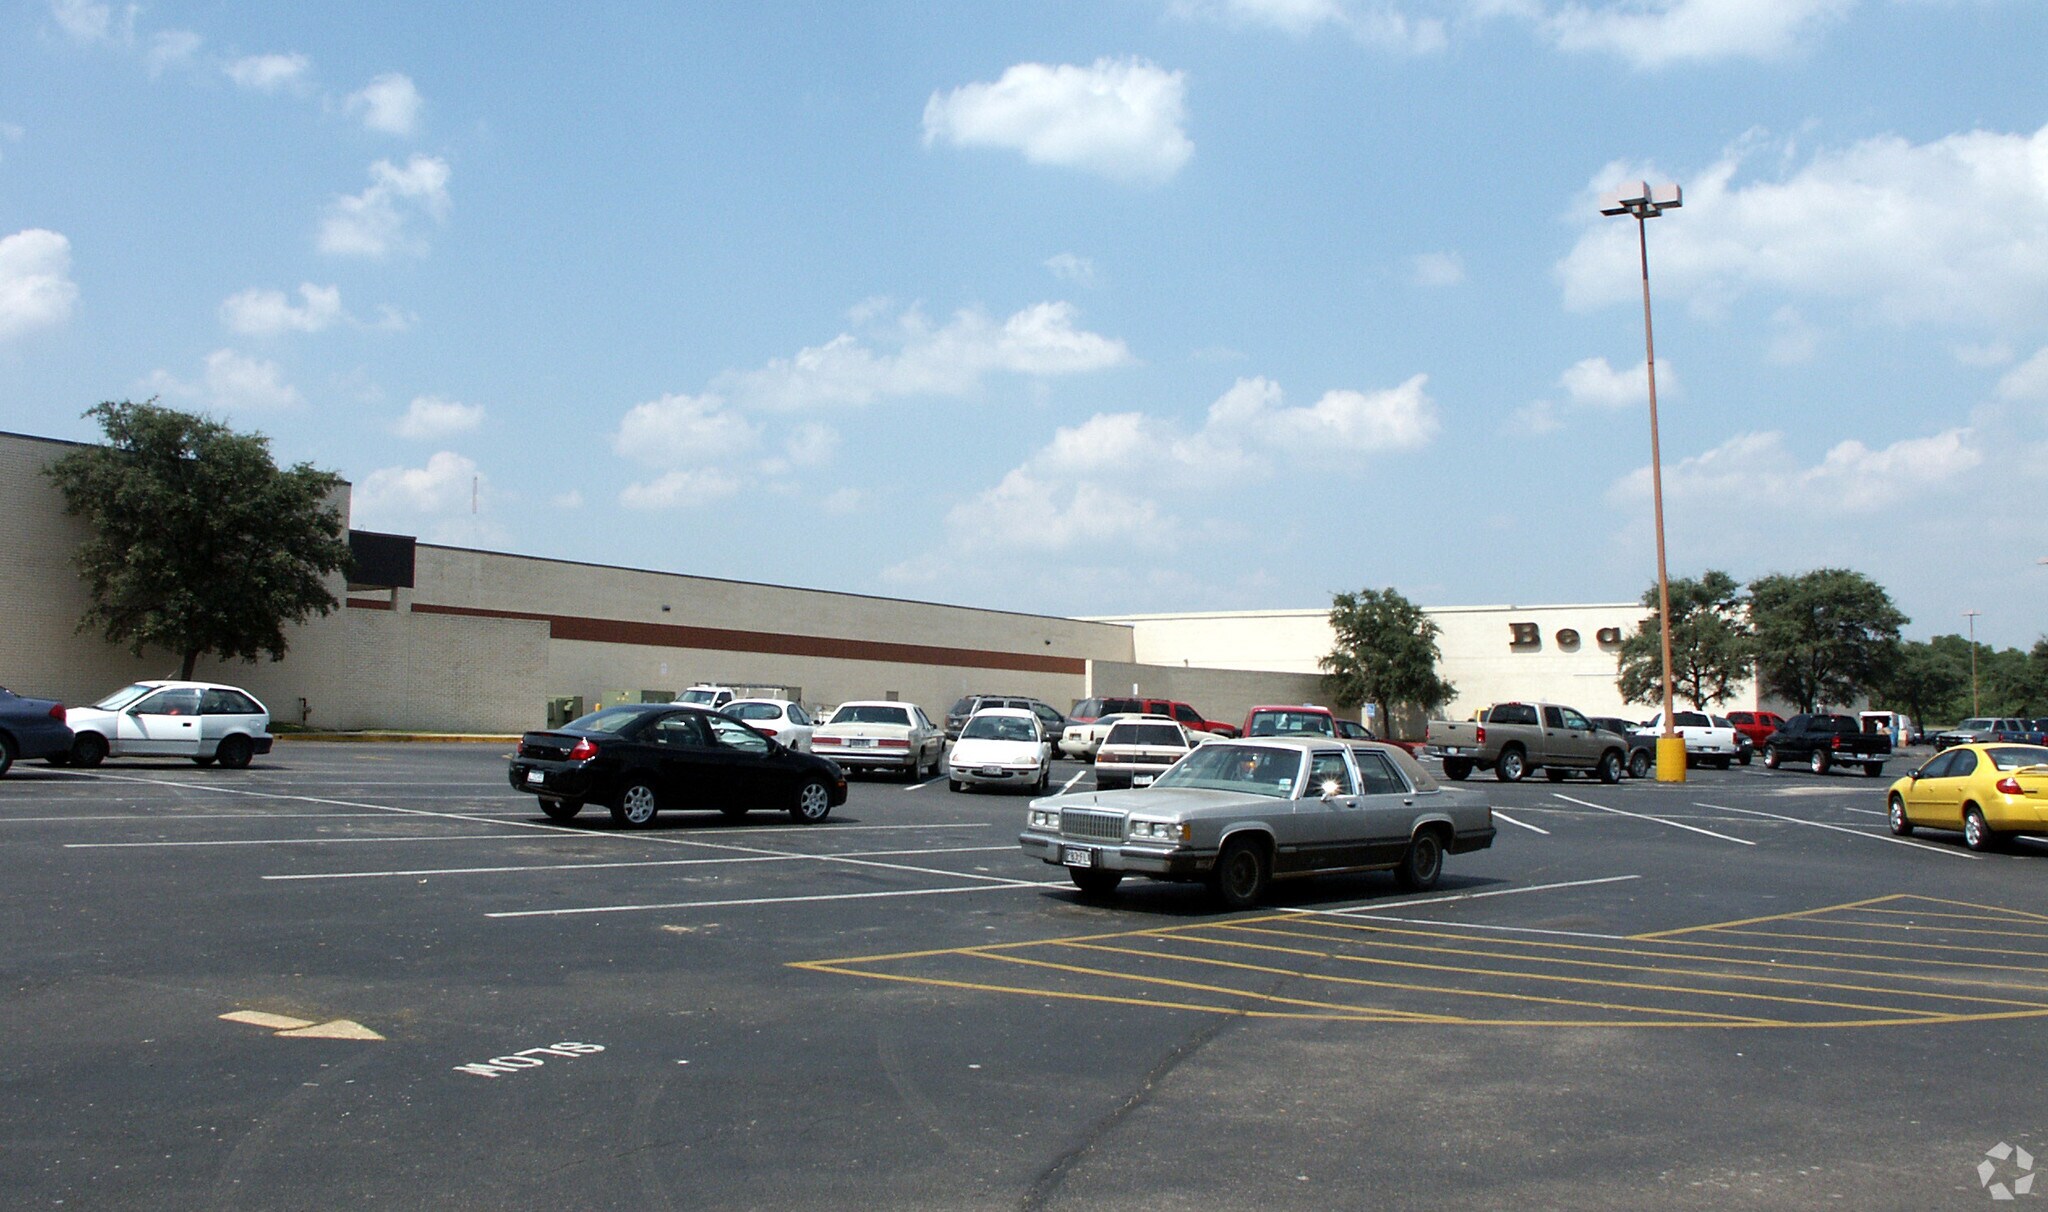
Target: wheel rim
x: 1973, y: 829
x: 812, y: 802
x: 1898, y: 816
x: 1241, y: 874
x: 638, y: 803
x: 1511, y: 765
x: 1428, y: 857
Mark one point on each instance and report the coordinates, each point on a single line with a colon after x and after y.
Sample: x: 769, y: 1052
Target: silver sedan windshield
x: 1252, y: 769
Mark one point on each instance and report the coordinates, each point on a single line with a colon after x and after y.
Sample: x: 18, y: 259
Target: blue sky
x: 1074, y: 307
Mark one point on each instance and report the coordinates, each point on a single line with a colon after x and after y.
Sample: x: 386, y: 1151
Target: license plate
x: 1141, y: 780
x: 861, y: 742
x: 1077, y: 856
x: 536, y: 776
x: 992, y: 772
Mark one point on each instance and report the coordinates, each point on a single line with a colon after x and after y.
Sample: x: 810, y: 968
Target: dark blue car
x: 31, y: 728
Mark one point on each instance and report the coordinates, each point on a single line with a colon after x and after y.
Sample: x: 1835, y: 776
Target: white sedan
x: 881, y: 735
x: 1000, y: 747
x: 785, y: 721
x: 198, y: 720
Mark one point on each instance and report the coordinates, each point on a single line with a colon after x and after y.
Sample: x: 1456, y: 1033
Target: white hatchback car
x: 203, y: 721
x: 1000, y: 747
x: 787, y: 722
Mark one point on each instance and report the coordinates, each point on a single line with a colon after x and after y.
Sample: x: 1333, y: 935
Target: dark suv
x: 1047, y: 714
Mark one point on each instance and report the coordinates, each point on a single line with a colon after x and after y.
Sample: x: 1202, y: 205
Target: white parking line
x: 703, y: 862
x: 1069, y: 784
x: 1641, y: 816
x: 166, y: 817
x: 781, y: 900
x: 288, y: 841
x: 1875, y: 837
x: 1524, y: 824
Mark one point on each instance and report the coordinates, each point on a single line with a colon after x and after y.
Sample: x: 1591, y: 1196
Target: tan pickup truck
x: 1512, y: 739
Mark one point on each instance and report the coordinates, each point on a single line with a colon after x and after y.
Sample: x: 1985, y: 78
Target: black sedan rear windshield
x: 609, y: 719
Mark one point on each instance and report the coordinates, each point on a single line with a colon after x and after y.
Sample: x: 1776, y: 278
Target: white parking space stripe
x: 780, y: 900
x: 1069, y: 784
x: 1658, y: 819
x: 695, y: 862
x: 174, y: 815
x: 1524, y: 824
x: 1357, y: 910
x: 1864, y: 833
x: 295, y: 841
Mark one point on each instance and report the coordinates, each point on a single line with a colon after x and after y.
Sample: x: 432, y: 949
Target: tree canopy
x: 1824, y: 637
x: 1710, y: 649
x: 200, y: 542
x: 1386, y: 653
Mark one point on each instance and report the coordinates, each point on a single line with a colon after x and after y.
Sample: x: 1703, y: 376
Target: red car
x: 1087, y: 711
x: 1756, y: 725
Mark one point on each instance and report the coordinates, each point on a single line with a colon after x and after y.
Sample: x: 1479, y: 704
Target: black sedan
x: 643, y: 757
x: 31, y: 728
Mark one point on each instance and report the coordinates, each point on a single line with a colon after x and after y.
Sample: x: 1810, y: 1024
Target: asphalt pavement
x: 373, y: 975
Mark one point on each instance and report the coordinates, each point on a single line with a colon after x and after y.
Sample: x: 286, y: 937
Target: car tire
x: 1873, y: 769
x: 235, y: 752
x: 1422, y: 864
x: 561, y: 810
x: 1818, y: 763
x: 88, y: 750
x: 1902, y: 825
x: 202, y: 762
x: 1094, y: 881
x: 1242, y: 873
x: 955, y: 785
x: 1554, y: 774
x: 1639, y: 764
x: 6, y: 755
x: 1723, y: 763
x: 1743, y: 759
x: 1609, y: 770
x: 1511, y: 766
x: 813, y: 803
x: 1770, y: 757
x: 636, y: 805
x: 1457, y: 769
x: 1977, y: 834
x: 1044, y: 780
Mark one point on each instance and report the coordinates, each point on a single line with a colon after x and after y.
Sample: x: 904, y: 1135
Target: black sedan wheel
x: 813, y: 803
x: 6, y: 755
x: 1241, y: 874
x: 1094, y: 881
x: 636, y: 805
x: 561, y: 810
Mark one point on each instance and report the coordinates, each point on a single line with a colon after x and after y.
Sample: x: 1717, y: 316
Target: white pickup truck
x: 1511, y: 739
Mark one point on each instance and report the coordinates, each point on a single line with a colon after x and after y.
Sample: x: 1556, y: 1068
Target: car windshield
x: 869, y: 713
x: 1145, y: 734
x: 1290, y: 723
x: 608, y: 720
x: 998, y: 728
x: 2012, y: 757
x: 753, y: 711
x: 1251, y: 769
x: 699, y: 696
x: 122, y: 697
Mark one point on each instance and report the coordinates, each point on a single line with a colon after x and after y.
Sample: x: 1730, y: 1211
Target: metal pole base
x: 1671, y: 759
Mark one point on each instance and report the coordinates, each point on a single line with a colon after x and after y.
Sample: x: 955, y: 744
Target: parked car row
x: 202, y: 721
x: 1979, y: 730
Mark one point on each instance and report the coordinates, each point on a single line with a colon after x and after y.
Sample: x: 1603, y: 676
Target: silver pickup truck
x: 1512, y: 739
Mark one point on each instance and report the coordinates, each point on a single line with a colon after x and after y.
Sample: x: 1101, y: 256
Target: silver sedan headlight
x: 1159, y: 831
x: 1043, y: 818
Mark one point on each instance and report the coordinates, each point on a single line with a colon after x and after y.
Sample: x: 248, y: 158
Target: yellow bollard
x: 1671, y: 759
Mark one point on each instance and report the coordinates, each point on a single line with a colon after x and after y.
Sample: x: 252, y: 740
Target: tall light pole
x: 1971, y: 615
x: 1645, y: 203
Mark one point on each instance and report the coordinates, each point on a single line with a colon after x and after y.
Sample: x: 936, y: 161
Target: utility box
x: 618, y: 698
x: 562, y: 710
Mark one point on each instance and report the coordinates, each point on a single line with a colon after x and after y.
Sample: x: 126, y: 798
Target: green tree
x: 1930, y: 681
x: 1386, y: 653
x: 200, y: 543
x: 1710, y: 652
x: 1822, y: 637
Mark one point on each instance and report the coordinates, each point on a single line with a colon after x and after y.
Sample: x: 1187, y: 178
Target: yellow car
x: 1985, y: 790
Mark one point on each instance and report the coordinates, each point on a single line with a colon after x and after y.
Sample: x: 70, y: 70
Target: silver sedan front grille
x: 1102, y: 826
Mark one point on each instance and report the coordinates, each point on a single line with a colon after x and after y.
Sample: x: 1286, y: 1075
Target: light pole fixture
x: 1975, y: 708
x: 1644, y: 202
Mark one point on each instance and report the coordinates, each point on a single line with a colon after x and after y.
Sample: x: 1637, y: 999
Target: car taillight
x: 583, y: 750
x: 1482, y: 734
x: 764, y: 731
x: 57, y: 712
x: 826, y: 740
x: 886, y: 743
x: 2009, y: 786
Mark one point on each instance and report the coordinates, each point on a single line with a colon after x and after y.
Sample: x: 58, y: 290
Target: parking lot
x: 375, y: 975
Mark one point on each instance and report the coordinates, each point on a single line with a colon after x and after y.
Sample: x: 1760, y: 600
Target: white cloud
x: 388, y: 104
x: 36, y: 290
x: 259, y: 312
x: 1105, y: 477
x: 432, y: 418
x: 680, y: 430
x: 680, y: 487
x: 1070, y: 268
x: 86, y: 22
x: 811, y: 445
x: 374, y: 223
x: 447, y: 484
x: 1795, y: 342
x: 572, y: 499
x: 1121, y: 118
x: 2028, y: 381
x: 233, y: 383
x: 947, y: 360
x: 1595, y: 383
x: 269, y: 73
x: 1656, y: 33
x: 1760, y: 470
x: 172, y: 48
x: 1437, y: 269
x: 1954, y: 231
x: 842, y: 501
x: 1381, y: 25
